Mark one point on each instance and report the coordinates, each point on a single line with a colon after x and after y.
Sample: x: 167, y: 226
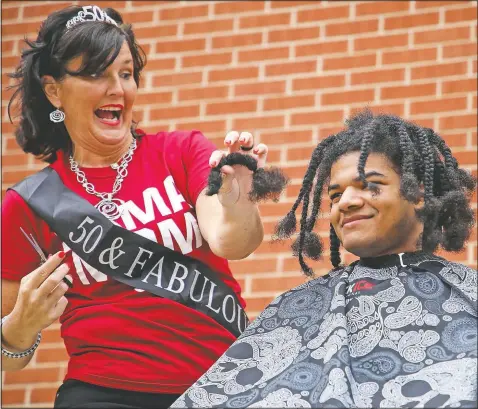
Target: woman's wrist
x: 16, y: 337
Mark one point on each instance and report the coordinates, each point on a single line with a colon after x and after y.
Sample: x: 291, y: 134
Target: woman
x: 128, y: 347
x: 394, y: 329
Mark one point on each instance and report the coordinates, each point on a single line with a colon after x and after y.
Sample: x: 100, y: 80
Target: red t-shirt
x: 118, y: 336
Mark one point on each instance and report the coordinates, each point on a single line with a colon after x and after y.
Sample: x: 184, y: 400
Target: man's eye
x: 126, y: 75
x: 334, y: 198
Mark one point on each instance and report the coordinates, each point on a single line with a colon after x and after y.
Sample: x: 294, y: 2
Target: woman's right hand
x: 41, y: 299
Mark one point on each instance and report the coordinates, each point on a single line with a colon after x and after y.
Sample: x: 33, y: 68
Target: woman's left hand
x: 237, y: 179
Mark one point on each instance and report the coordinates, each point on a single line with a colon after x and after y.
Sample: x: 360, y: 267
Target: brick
x: 11, y: 13
x: 205, y: 126
x: 321, y: 117
x: 32, y: 375
x: 410, y: 20
x: 20, y: 29
x: 325, y: 132
x: 238, y: 40
x: 464, y: 14
x: 442, y: 35
x: 433, y: 4
x: 137, y: 17
x: 401, y: 57
x: 181, y: 13
x: 261, y: 54
x: 51, y: 335
x: 439, y: 70
x: 262, y: 122
x: 258, y: 304
x: 459, y: 86
x: 348, y: 97
x: 298, y: 101
x: 51, y: 355
x: 222, y: 108
x: 138, y: 3
x: 258, y: 265
x: 438, y: 105
x: 300, y: 153
x: 408, y: 91
x: 10, y: 62
x: 198, y: 60
x: 13, y: 396
x: 318, y: 83
x: 118, y: 5
x: 264, y: 21
x: 159, y: 64
x: 233, y: 74
x: 209, y: 26
x: 42, y: 10
x: 351, y: 27
x: 455, y: 140
x: 459, y: 50
x: 175, y: 112
x: 292, y: 4
x: 203, y: 93
x: 322, y: 47
x: 343, y: 63
x: 375, y: 43
x: 19, y: 159
x: 259, y: 88
x: 293, y: 34
x: 7, y: 47
x: 273, y: 284
x: 378, y: 76
x: 9, y: 177
x: 372, y: 7
x: 466, y: 157
x: 154, y: 98
x: 321, y: 14
x: 290, y: 68
x: 284, y: 137
x: 40, y: 395
x: 235, y: 7
x: 177, y: 79
x: 458, y: 122
x: 155, y: 32
x: 179, y: 46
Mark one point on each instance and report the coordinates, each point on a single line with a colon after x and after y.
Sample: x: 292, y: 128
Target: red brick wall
x: 290, y: 72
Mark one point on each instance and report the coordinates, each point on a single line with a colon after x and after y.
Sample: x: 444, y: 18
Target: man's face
x: 371, y: 224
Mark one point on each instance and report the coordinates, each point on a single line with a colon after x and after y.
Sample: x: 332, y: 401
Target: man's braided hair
x: 421, y: 158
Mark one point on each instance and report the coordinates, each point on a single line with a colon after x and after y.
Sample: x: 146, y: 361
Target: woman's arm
x: 229, y: 221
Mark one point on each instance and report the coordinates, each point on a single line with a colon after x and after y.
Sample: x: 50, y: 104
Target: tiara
x: 90, y: 13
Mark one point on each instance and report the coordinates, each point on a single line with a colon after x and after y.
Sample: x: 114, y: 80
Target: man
x: 396, y: 328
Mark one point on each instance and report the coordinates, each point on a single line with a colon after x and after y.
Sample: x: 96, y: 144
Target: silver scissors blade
x: 35, y: 245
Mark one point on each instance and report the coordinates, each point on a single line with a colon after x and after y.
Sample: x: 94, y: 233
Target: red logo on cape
x: 362, y: 285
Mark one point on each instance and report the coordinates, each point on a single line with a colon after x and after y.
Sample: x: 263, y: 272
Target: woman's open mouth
x: 109, y: 114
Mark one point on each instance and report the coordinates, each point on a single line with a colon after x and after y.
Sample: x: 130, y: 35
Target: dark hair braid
x: 367, y: 140
x: 334, y: 248
x: 409, y: 187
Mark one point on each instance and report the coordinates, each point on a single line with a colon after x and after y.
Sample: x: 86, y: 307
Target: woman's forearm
x: 239, y: 231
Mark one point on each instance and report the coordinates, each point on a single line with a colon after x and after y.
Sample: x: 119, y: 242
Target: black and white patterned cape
x: 375, y: 334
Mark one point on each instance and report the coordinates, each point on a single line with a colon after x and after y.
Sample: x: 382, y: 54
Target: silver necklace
x: 110, y: 207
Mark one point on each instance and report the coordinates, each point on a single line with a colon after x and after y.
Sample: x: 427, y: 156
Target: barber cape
x: 393, y: 331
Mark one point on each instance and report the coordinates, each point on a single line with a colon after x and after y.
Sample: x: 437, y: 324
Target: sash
x: 128, y: 257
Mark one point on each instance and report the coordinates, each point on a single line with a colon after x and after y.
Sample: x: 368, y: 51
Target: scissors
x: 40, y: 252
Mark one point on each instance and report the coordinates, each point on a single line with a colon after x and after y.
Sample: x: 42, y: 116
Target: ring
x: 246, y: 149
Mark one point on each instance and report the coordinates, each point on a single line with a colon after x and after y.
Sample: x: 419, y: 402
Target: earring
x: 57, y: 116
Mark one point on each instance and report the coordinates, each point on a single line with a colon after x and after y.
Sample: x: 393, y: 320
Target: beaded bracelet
x: 23, y: 354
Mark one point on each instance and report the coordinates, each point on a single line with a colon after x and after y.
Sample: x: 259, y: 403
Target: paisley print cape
x: 390, y: 332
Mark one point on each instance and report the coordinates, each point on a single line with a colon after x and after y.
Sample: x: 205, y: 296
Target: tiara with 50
x: 90, y: 13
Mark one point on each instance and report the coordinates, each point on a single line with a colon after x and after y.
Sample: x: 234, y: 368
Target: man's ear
x: 421, y: 200
x: 51, y: 87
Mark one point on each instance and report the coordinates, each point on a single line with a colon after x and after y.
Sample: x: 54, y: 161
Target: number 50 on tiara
x: 90, y: 13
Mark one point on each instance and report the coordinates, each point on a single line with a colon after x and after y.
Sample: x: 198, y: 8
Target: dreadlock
x: 418, y: 154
